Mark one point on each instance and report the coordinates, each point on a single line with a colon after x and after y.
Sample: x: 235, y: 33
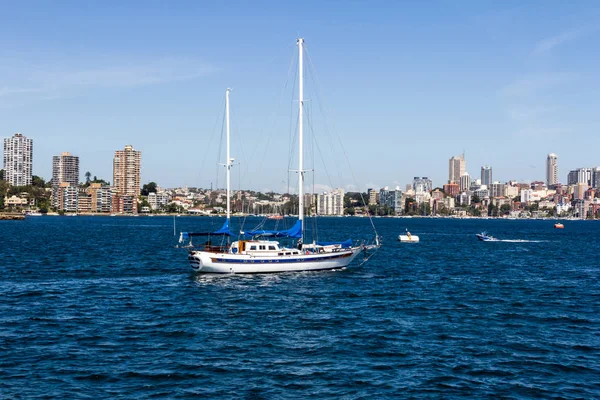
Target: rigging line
x: 293, y: 127
x: 315, y: 143
x: 319, y: 89
x: 220, y: 149
x: 208, y: 148
x: 311, y: 74
x: 264, y: 144
x: 314, y: 219
x: 292, y: 146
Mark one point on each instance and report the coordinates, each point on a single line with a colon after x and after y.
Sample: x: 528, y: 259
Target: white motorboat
x: 256, y: 251
x: 485, y: 237
x: 408, y: 238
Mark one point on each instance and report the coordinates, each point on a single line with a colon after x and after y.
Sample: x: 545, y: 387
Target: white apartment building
x: 465, y: 182
x: 158, y: 200
x: 331, y: 203
x: 18, y: 160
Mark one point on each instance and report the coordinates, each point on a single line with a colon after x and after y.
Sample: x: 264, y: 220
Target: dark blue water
x: 101, y: 307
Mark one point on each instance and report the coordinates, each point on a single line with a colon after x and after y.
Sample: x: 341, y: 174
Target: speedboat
x: 558, y: 225
x: 484, y: 236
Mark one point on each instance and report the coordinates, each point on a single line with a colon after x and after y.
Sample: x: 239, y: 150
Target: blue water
x: 106, y: 307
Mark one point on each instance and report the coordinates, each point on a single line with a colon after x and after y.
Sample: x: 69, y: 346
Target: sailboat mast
x: 300, y: 133
x: 228, y: 160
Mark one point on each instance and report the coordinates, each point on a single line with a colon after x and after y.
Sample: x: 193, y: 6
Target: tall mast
x: 300, y: 133
x: 228, y: 160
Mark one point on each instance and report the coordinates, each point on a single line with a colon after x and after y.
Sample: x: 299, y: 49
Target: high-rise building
x: 372, y: 194
x: 551, y: 169
x: 391, y: 198
x: 596, y: 177
x: 486, y: 175
x: 65, y: 169
x: 18, y: 160
x: 126, y: 178
x: 126, y: 171
x: 465, y: 182
x: 331, y: 203
x: 422, y: 185
x: 456, y: 168
x: 580, y: 175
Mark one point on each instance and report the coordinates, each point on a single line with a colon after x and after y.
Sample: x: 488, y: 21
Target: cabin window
x: 272, y: 247
x: 262, y: 247
x: 252, y: 247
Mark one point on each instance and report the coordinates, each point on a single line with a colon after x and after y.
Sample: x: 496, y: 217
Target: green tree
x: 88, y: 176
x: 148, y: 188
x: 37, y: 181
x: 143, y: 202
x: 100, y: 181
x: 43, y: 204
x: 505, y: 208
x: 355, y: 199
x: 1, y: 174
x: 409, y: 204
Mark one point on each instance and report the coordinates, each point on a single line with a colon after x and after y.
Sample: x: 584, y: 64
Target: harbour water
x: 107, y: 307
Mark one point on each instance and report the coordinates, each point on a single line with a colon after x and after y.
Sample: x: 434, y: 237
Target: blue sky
x: 407, y: 85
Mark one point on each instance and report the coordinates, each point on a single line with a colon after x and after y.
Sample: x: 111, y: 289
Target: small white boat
x: 485, y: 237
x: 408, y: 238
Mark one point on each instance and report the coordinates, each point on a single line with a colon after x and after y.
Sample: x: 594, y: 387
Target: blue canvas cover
x: 294, y: 232
x: 345, y: 244
x: 224, y: 231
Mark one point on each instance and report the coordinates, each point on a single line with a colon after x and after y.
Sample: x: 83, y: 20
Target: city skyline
x: 400, y: 82
x: 127, y: 171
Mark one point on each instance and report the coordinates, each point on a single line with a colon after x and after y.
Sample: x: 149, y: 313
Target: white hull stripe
x: 275, y: 261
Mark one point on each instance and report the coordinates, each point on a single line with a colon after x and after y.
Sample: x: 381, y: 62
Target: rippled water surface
x: 105, y: 307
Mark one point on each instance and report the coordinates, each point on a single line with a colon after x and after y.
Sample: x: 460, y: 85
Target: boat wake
x: 519, y: 241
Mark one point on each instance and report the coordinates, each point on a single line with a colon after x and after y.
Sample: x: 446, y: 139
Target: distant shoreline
x: 295, y: 216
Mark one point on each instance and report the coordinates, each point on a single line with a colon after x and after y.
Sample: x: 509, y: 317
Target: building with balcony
x: 18, y: 160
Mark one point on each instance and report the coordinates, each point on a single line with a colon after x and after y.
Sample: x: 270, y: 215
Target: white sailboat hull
x: 226, y: 263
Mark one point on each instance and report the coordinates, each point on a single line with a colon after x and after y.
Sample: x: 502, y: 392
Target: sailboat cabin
x: 261, y: 248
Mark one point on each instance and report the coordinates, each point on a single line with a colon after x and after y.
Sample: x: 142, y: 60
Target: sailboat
x: 257, y: 251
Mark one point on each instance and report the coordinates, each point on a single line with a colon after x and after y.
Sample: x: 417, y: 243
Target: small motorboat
x: 408, y: 238
x: 484, y: 236
x: 558, y: 225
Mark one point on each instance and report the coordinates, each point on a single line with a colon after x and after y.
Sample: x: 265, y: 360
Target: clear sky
x: 407, y: 85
